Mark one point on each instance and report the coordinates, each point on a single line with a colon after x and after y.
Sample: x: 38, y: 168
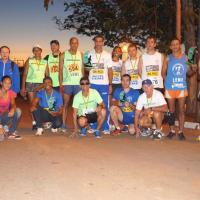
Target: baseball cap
x: 146, y: 82
x: 37, y: 46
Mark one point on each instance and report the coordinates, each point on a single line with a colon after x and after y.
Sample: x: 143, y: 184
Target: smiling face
x: 74, y: 44
x: 126, y: 82
x: 85, y: 85
x: 48, y: 84
x: 98, y: 42
x: 132, y: 51
x: 37, y: 52
x: 55, y: 48
x: 148, y: 89
x: 175, y: 46
x: 5, y: 52
x: 150, y: 44
x: 6, y: 84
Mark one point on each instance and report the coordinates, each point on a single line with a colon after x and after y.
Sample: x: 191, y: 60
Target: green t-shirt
x: 88, y: 104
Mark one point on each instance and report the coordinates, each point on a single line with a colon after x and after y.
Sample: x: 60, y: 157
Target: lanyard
x: 46, y: 96
x: 38, y: 64
x: 98, y: 59
x: 86, y: 102
x: 149, y: 102
x: 133, y: 65
x: 73, y: 59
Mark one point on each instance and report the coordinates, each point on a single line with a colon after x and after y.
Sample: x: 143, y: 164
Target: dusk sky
x: 25, y: 23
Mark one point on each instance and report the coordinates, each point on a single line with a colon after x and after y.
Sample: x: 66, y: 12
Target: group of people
x: 110, y: 94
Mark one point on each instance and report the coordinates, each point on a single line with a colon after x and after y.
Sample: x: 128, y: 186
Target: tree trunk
x: 189, y: 35
x: 178, y: 19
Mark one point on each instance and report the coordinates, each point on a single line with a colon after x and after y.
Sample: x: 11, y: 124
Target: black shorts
x: 91, y: 117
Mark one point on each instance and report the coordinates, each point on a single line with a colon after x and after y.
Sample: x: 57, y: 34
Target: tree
x: 117, y: 19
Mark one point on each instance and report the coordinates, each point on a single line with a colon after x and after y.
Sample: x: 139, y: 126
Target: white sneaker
x: 54, y: 130
x: 39, y: 131
x: 112, y: 127
x: 106, y: 132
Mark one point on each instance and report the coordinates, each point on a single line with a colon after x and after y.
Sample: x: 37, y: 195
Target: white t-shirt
x: 131, y: 68
x: 101, y: 62
x: 157, y: 99
x: 152, y: 67
x: 117, y: 67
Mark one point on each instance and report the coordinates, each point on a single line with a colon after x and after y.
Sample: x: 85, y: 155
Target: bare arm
x: 110, y: 75
x: 61, y: 63
x: 34, y: 104
x: 82, y: 66
x: 47, y: 70
x: 26, y: 68
x: 164, y: 68
x: 140, y: 66
x: 75, y: 110
x: 123, y: 69
x: 12, y: 107
x: 136, y: 122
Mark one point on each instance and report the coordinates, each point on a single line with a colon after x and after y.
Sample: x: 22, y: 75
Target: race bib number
x: 127, y: 109
x: 152, y: 73
x: 155, y: 82
x: 98, y: 71
x: 54, y: 69
x: 73, y: 67
x: 134, y: 77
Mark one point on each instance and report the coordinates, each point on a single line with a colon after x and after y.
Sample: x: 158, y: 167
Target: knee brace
x: 171, y: 119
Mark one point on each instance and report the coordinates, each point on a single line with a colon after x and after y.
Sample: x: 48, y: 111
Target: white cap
x: 37, y: 46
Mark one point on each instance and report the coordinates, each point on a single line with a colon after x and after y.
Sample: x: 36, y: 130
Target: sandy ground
x: 55, y: 167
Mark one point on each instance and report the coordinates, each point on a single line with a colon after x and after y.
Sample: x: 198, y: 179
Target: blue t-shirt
x: 53, y: 102
x: 176, y: 73
x: 131, y: 96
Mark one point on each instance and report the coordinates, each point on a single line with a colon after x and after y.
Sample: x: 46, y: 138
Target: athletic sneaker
x: 6, y: 129
x: 92, y: 128
x: 171, y: 135
x: 106, y: 132
x: 112, y: 127
x: 39, y: 131
x: 146, y: 132
x: 83, y: 131
x: 157, y: 135
x: 14, y: 136
x: 97, y: 134
x: 181, y: 136
x: 116, y: 132
x: 47, y: 125
x: 63, y: 129
x: 54, y: 130
x: 124, y: 128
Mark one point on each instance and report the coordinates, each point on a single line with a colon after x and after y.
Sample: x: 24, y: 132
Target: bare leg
x: 65, y: 107
x: 101, y: 115
x: 181, y: 113
x: 158, y: 118
x: 171, y: 104
x: 131, y: 129
x: 116, y: 115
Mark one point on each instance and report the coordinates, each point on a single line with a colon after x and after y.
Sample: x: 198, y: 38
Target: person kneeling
x: 9, y: 115
x: 150, y: 107
x: 88, y: 107
x: 123, y: 106
x: 47, y: 107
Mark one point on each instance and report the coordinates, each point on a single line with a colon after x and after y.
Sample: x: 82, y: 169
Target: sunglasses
x: 86, y: 83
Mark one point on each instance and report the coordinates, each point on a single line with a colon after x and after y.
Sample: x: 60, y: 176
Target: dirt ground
x: 56, y: 167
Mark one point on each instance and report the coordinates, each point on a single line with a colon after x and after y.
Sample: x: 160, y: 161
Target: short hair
x: 6, y: 77
x: 73, y: 38
x: 175, y: 38
x: 132, y: 45
x: 54, y: 42
x: 84, y: 78
x: 152, y: 37
x: 2, y: 47
x: 126, y: 75
x: 99, y: 36
x: 47, y: 78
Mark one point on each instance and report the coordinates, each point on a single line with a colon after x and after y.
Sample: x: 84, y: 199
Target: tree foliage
x: 117, y: 19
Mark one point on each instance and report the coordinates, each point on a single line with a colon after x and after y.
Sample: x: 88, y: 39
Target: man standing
x: 100, y: 75
x: 53, y: 63
x: 9, y: 68
x: 47, y: 107
x: 70, y: 73
x: 123, y: 106
x: 151, y: 106
x: 150, y: 64
x: 88, y: 108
